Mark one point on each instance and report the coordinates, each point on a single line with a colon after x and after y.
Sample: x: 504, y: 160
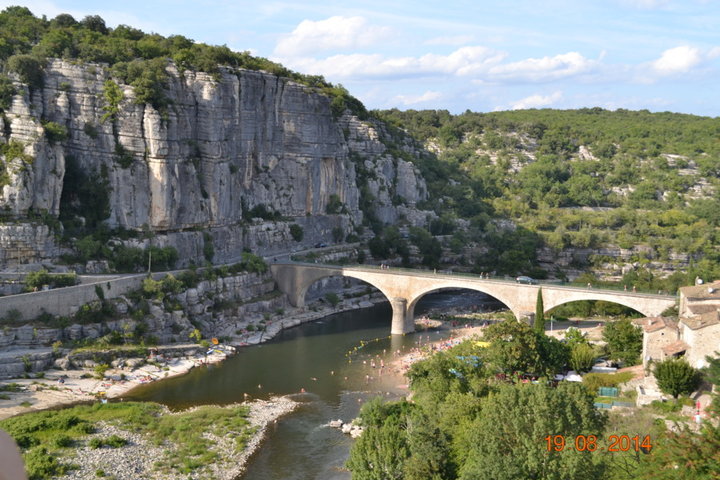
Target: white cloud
x: 535, y: 101
x: 646, y: 4
x: 330, y: 34
x: 463, y: 61
x: 413, y: 99
x: 451, y: 40
x: 713, y: 53
x: 677, y: 60
x: 544, y: 69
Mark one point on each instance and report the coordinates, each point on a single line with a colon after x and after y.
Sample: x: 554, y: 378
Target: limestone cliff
x: 224, y: 145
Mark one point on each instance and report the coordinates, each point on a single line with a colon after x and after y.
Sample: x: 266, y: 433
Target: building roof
x: 675, y: 347
x: 700, y: 308
x: 708, y: 291
x: 654, y: 324
x: 703, y: 320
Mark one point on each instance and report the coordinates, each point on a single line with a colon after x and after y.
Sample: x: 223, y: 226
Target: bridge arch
x: 625, y: 304
x: 412, y: 303
x: 309, y: 282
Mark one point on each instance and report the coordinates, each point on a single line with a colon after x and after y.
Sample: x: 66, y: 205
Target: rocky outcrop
x: 224, y: 145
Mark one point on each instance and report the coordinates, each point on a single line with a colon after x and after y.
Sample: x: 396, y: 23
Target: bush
x: 675, y: 377
x: 208, y: 247
x: 40, y: 464
x: 582, y: 358
x: 7, y: 92
x: 100, y: 370
x: 296, y: 231
x: 334, y: 204
x: 36, y: 280
x: 624, y: 340
x: 55, y: 132
x: 332, y: 298
x: 29, y: 68
x: 593, y: 381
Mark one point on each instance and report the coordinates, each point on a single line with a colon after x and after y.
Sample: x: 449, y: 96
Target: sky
x: 660, y: 55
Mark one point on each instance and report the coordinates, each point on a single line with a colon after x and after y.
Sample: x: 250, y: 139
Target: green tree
x: 196, y: 335
x: 29, y: 68
x: 113, y: 95
x: 515, y: 347
x: 684, y: 455
x: 381, y: 451
x: 539, y: 313
x: 624, y: 340
x: 296, y: 231
x: 713, y: 375
x: 582, y: 357
x: 675, y: 377
x: 507, y: 441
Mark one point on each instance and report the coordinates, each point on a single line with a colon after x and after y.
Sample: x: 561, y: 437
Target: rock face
x: 223, y: 146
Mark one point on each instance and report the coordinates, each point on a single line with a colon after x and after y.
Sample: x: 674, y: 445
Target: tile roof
x: 654, y: 324
x: 675, y: 347
x: 703, y: 320
x: 705, y: 291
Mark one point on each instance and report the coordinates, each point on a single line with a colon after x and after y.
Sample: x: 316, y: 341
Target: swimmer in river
x: 314, y: 379
x: 259, y: 386
x: 302, y: 390
x: 332, y: 372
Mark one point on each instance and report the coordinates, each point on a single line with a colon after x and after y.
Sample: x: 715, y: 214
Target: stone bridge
x: 405, y: 287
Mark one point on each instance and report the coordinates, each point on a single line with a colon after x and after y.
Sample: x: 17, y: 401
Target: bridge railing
x: 495, y: 278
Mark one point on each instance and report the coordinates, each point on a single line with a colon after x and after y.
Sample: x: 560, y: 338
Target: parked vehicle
x: 526, y: 280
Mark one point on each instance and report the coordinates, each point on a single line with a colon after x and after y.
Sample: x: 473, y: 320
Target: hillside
x: 609, y: 186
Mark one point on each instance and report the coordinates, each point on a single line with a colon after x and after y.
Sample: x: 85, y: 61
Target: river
x: 330, y: 359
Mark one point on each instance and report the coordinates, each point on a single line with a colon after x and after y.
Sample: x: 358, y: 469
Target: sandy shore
x: 591, y: 329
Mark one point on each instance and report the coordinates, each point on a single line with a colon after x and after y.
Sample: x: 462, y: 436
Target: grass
x: 593, y: 381
x: 10, y: 387
x: 44, y: 436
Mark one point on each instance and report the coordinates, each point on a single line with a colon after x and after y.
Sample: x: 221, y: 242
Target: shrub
x: 100, y: 370
x: 334, y: 204
x: 90, y: 130
x: 332, y: 298
x: 55, y: 132
x: 676, y: 377
x: 7, y: 92
x: 208, y: 247
x: 582, y: 357
x: 296, y: 231
x: 29, y: 68
x: 63, y: 441
x: 40, y: 464
x: 593, y: 381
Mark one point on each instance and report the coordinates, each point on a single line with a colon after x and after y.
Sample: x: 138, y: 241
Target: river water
x: 331, y: 360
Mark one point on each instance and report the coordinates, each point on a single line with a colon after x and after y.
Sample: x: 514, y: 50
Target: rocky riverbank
x: 79, y: 382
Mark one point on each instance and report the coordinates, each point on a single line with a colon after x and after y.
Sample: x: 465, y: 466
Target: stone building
x: 696, y: 333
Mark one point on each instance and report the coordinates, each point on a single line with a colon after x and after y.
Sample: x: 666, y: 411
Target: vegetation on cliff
x: 135, y: 57
x: 581, y: 179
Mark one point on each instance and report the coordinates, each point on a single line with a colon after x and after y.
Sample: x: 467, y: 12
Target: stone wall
x: 65, y: 301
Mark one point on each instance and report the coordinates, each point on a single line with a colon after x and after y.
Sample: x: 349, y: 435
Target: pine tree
x: 539, y: 313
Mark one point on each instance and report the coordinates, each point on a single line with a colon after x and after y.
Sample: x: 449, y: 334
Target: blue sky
x: 459, y: 54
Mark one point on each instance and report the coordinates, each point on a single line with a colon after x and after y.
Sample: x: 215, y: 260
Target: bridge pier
x: 401, y: 324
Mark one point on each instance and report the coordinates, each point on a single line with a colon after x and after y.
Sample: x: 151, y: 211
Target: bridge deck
x: 446, y: 275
